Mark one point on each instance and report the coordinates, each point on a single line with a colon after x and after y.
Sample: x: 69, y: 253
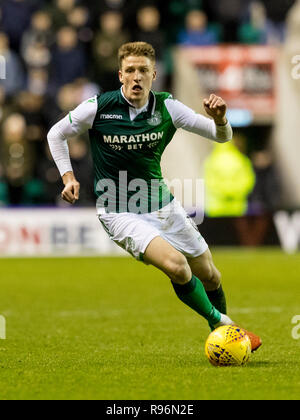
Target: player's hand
x: 216, y: 108
x: 72, y: 187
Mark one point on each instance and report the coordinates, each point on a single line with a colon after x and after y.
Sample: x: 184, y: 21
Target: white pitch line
x: 272, y: 309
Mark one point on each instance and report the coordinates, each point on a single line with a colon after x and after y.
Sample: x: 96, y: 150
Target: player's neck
x: 138, y: 104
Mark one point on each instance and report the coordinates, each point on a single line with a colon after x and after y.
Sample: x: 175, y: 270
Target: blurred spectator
x: 277, y: 10
x: 3, y: 191
x: 224, y: 195
x: 253, y: 229
x: 37, y: 81
x: 105, y: 50
x: 16, y: 16
x: 15, y: 76
x: 265, y: 26
x: 39, y: 112
x: 58, y: 11
x: 177, y: 10
x: 37, y: 56
x: 228, y: 13
x: 254, y: 30
x: 17, y: 157
x: 37, y: 40
x: 40, y: 31
x: 125, y: 7
x: 66, y: 99
x: 85, y: 89
x: 68, y: 59
x: 7, y: 106
x: 266, y: 196
x: 276, y: 32
x: 115, y: 5
x: 148, y: 20
x: 71, y: 95
x: 50, y: 176
x: 196, y: 30
x: 82, y: 164
x: 30, y: 106
x: 276, y: 13
x: 79, y: 19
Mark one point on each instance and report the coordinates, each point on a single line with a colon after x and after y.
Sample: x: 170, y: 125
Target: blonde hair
x: 136, y: 49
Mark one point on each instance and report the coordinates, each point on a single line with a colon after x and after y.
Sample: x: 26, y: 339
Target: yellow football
x: 228, y: 346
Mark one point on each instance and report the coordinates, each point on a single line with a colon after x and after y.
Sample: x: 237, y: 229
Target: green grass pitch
x: 112, y: 328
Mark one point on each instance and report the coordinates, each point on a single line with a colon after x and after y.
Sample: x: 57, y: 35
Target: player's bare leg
x: 203, y: 267
x: 188, y: 287
x: 166, y: 258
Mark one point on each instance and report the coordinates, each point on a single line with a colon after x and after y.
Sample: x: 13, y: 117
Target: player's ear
x: 120, y: 76
x: 154, y: 75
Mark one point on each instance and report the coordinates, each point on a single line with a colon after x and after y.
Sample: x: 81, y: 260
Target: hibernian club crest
x: 156, y: 119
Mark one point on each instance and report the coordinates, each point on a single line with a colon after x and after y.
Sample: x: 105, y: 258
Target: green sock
x: 194, y: 295
x: 218, y: 300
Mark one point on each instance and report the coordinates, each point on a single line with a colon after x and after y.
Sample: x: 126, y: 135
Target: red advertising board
x: 245, y: 76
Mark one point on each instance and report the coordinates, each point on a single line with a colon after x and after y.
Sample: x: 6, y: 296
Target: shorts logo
x: 130, y: 245
x: 155, y: 120
x: 111, y: 117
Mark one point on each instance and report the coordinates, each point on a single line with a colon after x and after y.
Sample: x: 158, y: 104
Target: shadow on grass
x: 252, y: 365
x: 263, y: 363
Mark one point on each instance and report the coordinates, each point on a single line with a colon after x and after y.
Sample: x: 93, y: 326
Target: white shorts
x: 134, y: 232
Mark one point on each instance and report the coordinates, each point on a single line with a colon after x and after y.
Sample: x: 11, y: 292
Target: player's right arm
x: 75, y: 123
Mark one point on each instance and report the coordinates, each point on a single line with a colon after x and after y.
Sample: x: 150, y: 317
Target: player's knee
x: 178, y: 269
x: 216, y: 280
x: 211, y: 278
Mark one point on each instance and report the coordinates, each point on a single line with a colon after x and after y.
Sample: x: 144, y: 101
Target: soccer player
x: 129, y: 129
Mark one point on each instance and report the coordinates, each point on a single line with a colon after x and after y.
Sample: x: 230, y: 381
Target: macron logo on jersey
x: 111, y: 117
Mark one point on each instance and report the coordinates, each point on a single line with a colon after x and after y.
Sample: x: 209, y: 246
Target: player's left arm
x: 216, y: 128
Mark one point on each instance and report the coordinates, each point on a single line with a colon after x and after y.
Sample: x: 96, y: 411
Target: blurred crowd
x: 60, y: 52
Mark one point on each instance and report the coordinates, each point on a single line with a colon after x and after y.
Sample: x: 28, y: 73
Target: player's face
x: 137, y: 75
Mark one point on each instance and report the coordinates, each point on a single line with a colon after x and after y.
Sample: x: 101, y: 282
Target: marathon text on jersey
x: 138, y: 138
